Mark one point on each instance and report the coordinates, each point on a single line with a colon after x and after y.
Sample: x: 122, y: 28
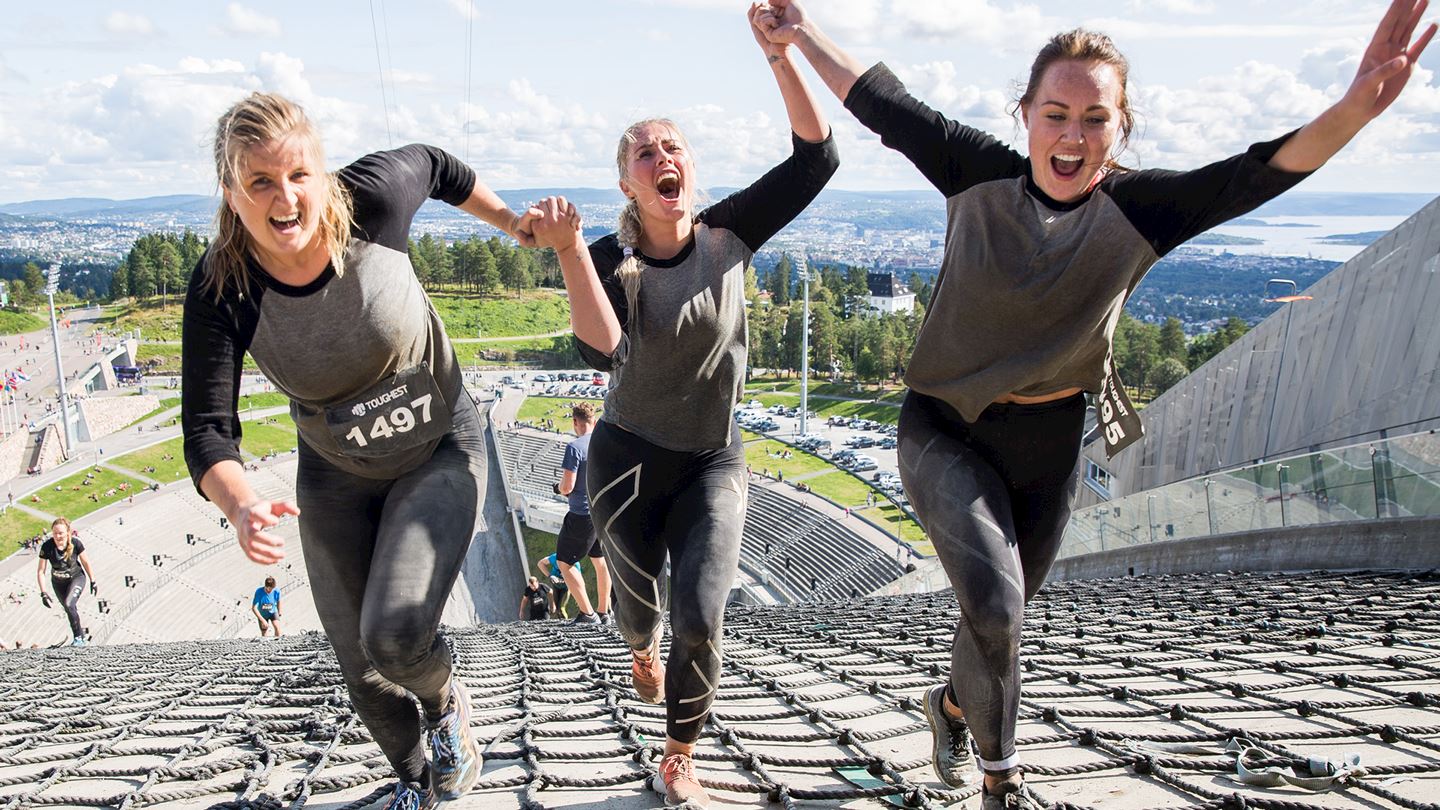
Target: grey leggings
x: 994, y: 497
x: 382, y: 556
x: 648, y: 502
x: 69, y: 591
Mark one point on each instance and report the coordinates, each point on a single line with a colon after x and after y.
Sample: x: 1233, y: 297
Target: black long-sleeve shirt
x: 1030, y: 289
x: 680, y: 366
x: 334, y: 338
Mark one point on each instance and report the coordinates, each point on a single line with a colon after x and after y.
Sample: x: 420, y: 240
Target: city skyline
x: 116, y: 101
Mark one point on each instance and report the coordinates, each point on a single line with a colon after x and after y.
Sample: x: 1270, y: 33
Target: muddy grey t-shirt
x: 348, y: 350
x: 1030, y: 289
x: 680, y: 365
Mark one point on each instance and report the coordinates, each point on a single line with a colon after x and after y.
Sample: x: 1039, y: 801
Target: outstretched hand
x: 556, y: 223
x: 252, y: 520
x: 1389, y: 60
x: 779, y: 21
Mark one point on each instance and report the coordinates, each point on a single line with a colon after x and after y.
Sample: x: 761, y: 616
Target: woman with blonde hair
x: 70, y: 572
x: 661, y: 305
x: 1040, y: 254
x: 309, y: 274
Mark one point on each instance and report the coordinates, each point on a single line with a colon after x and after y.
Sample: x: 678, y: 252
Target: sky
x: 119, y: 99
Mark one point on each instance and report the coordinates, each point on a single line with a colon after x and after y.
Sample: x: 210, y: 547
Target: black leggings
x: 647, y: 501
x: 994, y: 497
x: 382, y: 556
x: 69, y: 591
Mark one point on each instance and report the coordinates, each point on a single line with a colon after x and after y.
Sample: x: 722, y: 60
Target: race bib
x: 401, y: 413
x: 1119, y: 422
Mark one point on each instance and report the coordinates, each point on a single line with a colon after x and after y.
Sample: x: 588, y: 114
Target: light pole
x: 1275, y: 293
x: 802, y: 264
x: 53, y: 274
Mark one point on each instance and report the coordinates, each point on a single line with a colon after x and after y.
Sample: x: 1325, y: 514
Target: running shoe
x: 455, y: 759
x: 1010, y: 794
x: 605, y: 618
x: 407, y: 796
x: 647, y: 674
x: 681, y: 786
x: 586, y: 618
x: 952, y: 740
x: 79, y: 641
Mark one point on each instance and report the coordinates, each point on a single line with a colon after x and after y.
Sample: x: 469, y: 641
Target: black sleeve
x: 759, y: 212
x: 605, y: 254
x: 1170, y: 208
x: 952, y: 156
x: 214, y: 337
x: 389, y: 187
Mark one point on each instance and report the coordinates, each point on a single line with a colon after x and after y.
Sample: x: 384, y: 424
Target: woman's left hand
x: 1388, y: 62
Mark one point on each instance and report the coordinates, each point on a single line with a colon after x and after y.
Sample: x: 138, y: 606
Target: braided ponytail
x: 631, y: 267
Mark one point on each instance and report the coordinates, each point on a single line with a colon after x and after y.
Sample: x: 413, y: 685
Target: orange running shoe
x: 647, y: 674
x: 681, y: 786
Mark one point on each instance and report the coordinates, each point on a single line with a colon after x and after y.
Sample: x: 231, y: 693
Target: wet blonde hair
x: 631, y: 226
x: 1080, y: 45
x: 69, y: 536
x: 261, y: 118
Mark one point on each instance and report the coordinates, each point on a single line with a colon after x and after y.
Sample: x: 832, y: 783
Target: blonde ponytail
x: 631, y: 267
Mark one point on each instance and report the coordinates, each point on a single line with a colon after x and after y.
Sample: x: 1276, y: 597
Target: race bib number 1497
x: 403, y: 412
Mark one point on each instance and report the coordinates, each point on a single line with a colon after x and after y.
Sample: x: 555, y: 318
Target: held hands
x: 251, y: 520
x: 1388, y: 61
x: 779, y: 22
x: 556, y: 224
x: 523, y: 228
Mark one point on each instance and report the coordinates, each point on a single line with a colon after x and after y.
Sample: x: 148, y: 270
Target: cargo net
x: 1133, y: 688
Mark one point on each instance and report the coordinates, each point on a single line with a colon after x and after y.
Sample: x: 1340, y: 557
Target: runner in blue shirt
x: 266, y: 607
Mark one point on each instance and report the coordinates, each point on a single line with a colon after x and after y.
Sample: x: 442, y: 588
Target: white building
x: 888, y: 294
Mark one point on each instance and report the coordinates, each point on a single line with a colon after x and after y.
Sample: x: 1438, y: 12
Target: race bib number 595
x: 403, y: 412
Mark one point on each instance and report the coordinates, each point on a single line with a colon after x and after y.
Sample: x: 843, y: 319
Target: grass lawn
x: 763, y: 455
x: 507, y: 352
x: 15, y: 527
x: 169, y: 356
x: 72, y: 500
x: 267, y: 399
x: 841, y: 487
x: 166, y: 469
x: 165, y: 404
x: 540, y: 544
x: 154, y: 321
x: 535, y: 312
x: 265, y: 437
x: 908, y: 530
x: 536, y: 409
x: 825, y: 408
x: 18, y: 323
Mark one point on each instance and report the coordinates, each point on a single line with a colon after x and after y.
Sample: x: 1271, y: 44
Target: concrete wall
x: 1360, y: 360
x: 13, y: 452
x: 493, y: 573
x: 101, y: 416
x: 1408, y: 543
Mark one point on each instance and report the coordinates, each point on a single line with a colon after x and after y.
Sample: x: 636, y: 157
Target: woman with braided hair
x: 661, y: 305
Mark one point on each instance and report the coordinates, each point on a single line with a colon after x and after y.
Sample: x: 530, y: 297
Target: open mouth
x: 1067, y: 166
x: 668, y: 186
x: 288, y: 224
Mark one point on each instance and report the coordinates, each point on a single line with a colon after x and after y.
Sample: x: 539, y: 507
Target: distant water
x: 1301, y: 241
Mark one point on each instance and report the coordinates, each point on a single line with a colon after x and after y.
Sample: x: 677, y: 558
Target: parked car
x: 887, y: 443
x: 863, y: 463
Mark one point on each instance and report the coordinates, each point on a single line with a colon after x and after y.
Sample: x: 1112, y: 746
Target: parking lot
x: 872, y: 440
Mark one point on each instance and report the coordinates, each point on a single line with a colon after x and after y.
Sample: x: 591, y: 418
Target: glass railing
x: 1395, y: 477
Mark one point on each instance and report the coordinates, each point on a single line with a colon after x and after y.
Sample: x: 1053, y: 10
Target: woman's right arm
x: 40, y: 576
x: 212, y: 356
x: 952, y: 156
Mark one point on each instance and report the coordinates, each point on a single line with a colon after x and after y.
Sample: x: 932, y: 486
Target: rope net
x: 1131, y: 689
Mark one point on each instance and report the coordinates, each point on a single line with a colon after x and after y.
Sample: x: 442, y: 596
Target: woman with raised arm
x: 309, y: 273
x: 1040, y: 255
x: 661, y: 305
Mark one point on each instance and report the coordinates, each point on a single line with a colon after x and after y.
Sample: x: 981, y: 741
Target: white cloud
x: 127, y: 24
x: 1173, y: 6
x: 465, y: 8
x: 243, y: 21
